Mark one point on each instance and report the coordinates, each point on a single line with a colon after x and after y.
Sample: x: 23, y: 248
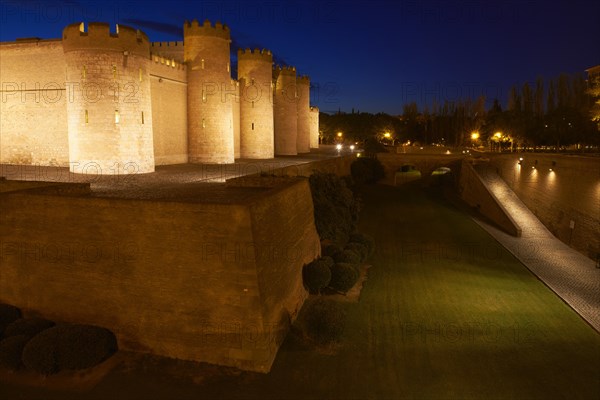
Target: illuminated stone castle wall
x: 286, y: 113
x: 112, y: 102
x: 256, y: 104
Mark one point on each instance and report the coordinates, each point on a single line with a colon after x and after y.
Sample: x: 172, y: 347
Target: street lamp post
x: 474, y: 137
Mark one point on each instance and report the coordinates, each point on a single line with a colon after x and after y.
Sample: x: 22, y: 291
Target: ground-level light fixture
x: 352, y: 147
x: 338, y: 147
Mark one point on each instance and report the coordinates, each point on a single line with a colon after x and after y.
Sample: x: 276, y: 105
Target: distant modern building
x: 112, y: 102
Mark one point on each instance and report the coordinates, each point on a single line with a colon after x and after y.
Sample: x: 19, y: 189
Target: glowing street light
x: 474, y: 136
x: 338, y: 147
x: 387, y: 135
x: 352, y: 147
x: 498, y: 135
x: 340, y: 134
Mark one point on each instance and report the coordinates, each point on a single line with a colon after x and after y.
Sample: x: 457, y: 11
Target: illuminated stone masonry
x: 112, y: 102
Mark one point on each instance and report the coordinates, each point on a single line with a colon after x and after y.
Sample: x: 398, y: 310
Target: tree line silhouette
x: 554, y: 114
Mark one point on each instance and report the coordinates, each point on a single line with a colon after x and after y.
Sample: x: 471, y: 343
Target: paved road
x: 197, y: 182
x: 571, y: 275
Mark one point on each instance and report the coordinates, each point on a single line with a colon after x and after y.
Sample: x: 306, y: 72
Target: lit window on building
x: 117, y: 117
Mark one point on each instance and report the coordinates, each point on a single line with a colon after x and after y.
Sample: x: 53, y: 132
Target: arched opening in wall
x: 406, y: 173
x: 441, y: 176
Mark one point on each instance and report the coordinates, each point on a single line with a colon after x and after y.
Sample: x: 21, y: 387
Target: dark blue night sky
x: 368, y: 55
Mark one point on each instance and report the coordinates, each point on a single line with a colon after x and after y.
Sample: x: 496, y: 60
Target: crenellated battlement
x: 206, y: 29
x: 256, y: 54
x: 314, y: 109
x: 98, y: 36
x: 168, y: 45
x: 303, y: 80
x: 286, y: 70
x: 167, y: 62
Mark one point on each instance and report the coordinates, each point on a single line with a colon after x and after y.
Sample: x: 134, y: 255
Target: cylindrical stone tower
x: 285, y: 113
x: 314, y: 127
x: 109, y: 107
x: 210, y: 93
x: 255, y: 71
x: 303, y: 109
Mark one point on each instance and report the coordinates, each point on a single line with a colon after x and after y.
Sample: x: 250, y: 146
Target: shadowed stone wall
x: 209, y: 282
x: 570, y: 192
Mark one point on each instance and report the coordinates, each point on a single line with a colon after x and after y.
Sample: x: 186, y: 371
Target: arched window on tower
x: 253, y: 126
x: 117, y: 117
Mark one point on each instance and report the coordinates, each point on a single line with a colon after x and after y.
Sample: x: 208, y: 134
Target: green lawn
x: 446, y: 313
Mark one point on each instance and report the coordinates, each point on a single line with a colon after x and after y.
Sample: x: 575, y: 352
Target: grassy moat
x: 446, y: 313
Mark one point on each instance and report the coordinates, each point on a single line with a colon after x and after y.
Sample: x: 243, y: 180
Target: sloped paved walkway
x: 571, y: 275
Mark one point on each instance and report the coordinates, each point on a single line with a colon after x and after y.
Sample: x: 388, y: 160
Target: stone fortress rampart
x: 107, y: 100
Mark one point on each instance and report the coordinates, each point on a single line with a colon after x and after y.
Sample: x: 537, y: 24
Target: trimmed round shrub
x: 27, y: 326
x: 316, y: 276
x: 11, y: 349
x: 8, y: 314
x: 343, y: 277
x: 325, y: 321
x: 331, y: 250
x: 348, y: 256
x: 328, y: 261
x: 367, y: 170
x: 69, y: 346
x: 359, y: 249
x: 357, y: 237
